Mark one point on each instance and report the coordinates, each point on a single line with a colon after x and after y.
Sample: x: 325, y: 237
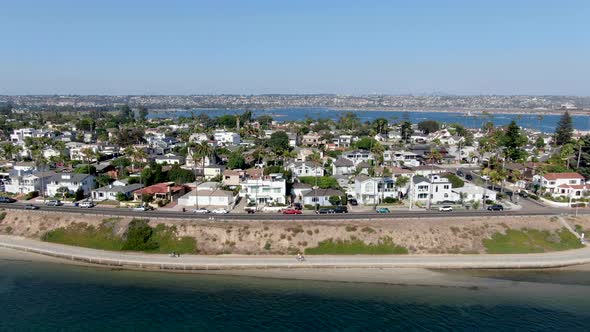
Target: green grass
x: 356, y: 247
x: 168, y: 241
x: 103, y: 237
x: 531, y: 241
x: 84, y: 235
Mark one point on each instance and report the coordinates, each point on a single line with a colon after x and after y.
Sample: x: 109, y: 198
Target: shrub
x: 138, y: 236
x: 390, y: 200
x: 31, y: 195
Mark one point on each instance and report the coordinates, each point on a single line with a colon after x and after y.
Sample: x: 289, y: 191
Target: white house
x: 28, y: 182
x: 223, y: 137
x: 270, y: 189
x: 319, y: 196
x: 169, y: 159
x: 208, y: 195
x: 72, y: 181
x: 305, y: 168
x: 434, y: 189
x: 473, y: 193
x: 213, y: 171
x: 372, y: 190
x: 111, y: 191
x: 562, y: 184
x: 343, y: 166
x: 358, y: 156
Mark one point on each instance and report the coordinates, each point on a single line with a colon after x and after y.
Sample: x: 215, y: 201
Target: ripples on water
x: 47, y: 297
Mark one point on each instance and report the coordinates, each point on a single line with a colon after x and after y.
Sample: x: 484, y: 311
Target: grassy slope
x: 356, y: 247
x: 102, y: 237
x: 531, y: 241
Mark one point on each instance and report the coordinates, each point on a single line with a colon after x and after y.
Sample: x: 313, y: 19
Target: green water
x: 49, y: 297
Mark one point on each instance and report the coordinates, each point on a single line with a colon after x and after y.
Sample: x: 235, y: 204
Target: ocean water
x: 50, y: 297
x: 546, y: 124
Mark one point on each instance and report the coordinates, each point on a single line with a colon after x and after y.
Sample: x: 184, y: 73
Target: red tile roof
x: 561, y: 176
x: 159, y: 188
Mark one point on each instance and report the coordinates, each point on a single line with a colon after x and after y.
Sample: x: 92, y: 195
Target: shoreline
x: 190, y: 263
x: 421, y: 277
x: 474, y: 111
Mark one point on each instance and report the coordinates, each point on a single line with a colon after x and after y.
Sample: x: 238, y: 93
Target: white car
x: 201, y: 211
x: 86, y: 204
x: 142, y: 208
x: 220, y: 211
x: 446, y: 208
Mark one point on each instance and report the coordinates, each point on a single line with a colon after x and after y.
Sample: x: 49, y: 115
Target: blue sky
x: 349, y: 47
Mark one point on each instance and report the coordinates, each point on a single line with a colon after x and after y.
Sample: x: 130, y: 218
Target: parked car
x: 291, y: 211
x: 7, y: 200
x: 143, y: 208
x: 341, y: 209
x: 201, y: 211
x: 469, y: 177
x: 220, y: 211
x: 460, y: 173
x: 383, y: 210
x: 31, y: 207
x: 324, y: 211
x: 86, y: 204
x: 496, y: 207
x: 523, y: 194
x: 54, y: 202
x: 353, y: 202
x: 445, y: 208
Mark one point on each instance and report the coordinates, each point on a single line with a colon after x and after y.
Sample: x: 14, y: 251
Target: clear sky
x: 299, y: 46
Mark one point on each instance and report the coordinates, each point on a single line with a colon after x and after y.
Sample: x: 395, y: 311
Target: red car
x: 291, y: 211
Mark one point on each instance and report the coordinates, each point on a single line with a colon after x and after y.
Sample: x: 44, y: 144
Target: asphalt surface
x: 530, y: 210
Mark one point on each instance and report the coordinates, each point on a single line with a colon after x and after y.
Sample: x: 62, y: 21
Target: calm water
x: 48, y: 297
x: 546, y: 124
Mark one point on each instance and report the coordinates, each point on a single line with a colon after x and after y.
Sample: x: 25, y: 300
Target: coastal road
x: 233, y: 262
x: 307, y: 216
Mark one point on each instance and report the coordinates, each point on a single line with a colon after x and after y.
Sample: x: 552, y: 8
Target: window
x: 446, y: 186
x: 422, y: 196
x: 573, y: 181
x: 551, y: 182
x: 446, y: 195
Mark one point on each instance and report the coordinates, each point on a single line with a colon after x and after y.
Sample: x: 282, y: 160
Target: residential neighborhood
x: 245, y: 164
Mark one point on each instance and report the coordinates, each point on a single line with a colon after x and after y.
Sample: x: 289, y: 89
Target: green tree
x: 139, y: 236
x: 428, y: 126
x: 540, y: 143
x: 564, y: 130
x: 365, y: 143
x: 143, y: 113
x: 236, y: 161
x: 380, y: 125
x: 406, y: 131
x: 126, y: 113
x: 278, y: 142
x: 513, y: 140
x: 349, y: 121
x: 334, y: 200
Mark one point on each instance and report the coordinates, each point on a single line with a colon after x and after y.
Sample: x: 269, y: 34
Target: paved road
x: 195, y: 262
x: 107, y: 211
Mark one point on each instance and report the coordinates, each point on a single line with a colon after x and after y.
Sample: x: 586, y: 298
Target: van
x: 54, y: 202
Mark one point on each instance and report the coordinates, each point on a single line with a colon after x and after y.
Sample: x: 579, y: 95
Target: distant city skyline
x: 306, y: 47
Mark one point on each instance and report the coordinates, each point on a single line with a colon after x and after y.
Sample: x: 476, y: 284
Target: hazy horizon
x: 265, y: 47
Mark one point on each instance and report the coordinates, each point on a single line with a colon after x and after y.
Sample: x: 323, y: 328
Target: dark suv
x: 495, y: 207
x: 341, y: 209
x: 7, y: 200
